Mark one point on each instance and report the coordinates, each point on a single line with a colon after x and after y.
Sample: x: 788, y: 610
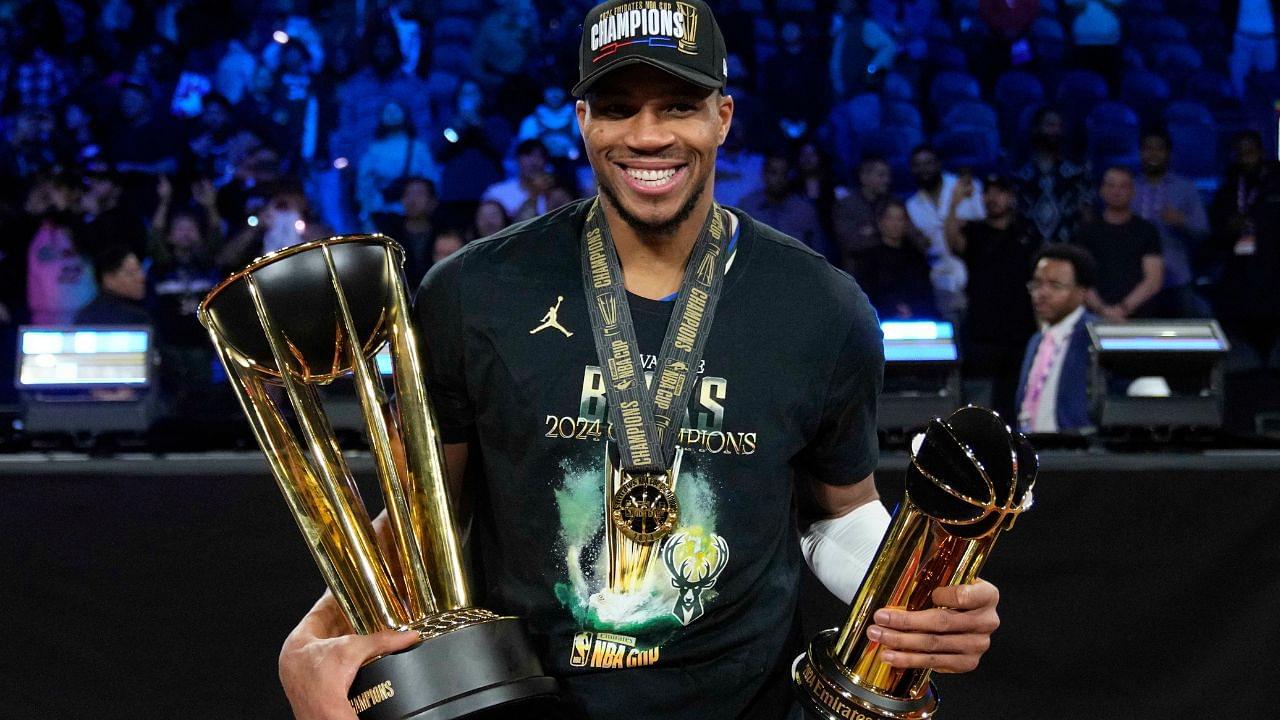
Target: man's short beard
x: 666, y: 228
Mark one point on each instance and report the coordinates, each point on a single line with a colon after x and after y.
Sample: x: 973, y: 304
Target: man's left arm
x: 840, y: 545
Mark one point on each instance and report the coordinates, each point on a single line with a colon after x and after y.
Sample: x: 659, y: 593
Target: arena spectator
x: 739, y: 169
x: 240, y: 61
x: 532, y: 180
x: 361, y: 99
x: 860, y: 51
x: 554, y: 123
x: 59, y: 276
x: 816, y: 182
x: 295, y: 106
x: 1253, y: 48
x: 1053, y: 384
x: 40, y: 80
x: 122, y: 286
x: 448, y: 242
x: 1246, y: 301
x: 853, y: 218
x: 894, y: 272
x: 210, y: 142
x: 472, y: 146
x: 907, y: 22
x: 997, y: 252
x: 1172, y: 203
x: 795, y: 84
x: 104, y: 218
x: 183, y: 239
x: 394, y: 156
x: 1054, y: 194
x: 490, y: 217
x: 414, y: 226
x: 504, y: 47
x: 779, y: 205
x: 1127, y: 251
x: 26, y: 151
x: 287, y: 219
x: 1239, y: 190
x: 928, y: 208
x: 144, y: 139
x: 78, y: 137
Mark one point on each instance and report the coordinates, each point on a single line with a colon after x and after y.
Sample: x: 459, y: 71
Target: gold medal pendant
x: 645, y: 508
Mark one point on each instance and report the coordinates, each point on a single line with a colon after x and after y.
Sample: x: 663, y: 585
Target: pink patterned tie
x: 1037, y: 378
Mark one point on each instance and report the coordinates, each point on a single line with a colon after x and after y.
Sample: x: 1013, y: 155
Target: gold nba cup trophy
x: 969, y: 479
x: 298, y: 319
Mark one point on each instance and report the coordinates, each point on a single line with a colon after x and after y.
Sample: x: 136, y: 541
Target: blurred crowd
x: 931, y: 148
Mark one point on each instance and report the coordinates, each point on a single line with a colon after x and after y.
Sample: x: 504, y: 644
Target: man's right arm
x: 321, y: 656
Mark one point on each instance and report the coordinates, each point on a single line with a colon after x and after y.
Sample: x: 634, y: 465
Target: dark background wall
x: 1140, y: 586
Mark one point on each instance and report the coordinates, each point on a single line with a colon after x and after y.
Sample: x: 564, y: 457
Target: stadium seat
x: 971, y: 114
x: 1195, y: 150
x: 860, y: 114
x: 1211, y: 89
x: 949, y: 88
x: 973, y: 149
x: 1081, y: 87
x: 898, y: 87
x: 1166, y: 31
x: 453, y: 58
x: 1146, y: 92
x: 1187, y: 112
x: 461, y: 30
x: 1048, y: 40
x: 1077, y: 93
x: 896, y: 113
x: 945, y: 56
x: 1112, y: 135
x: 1015, y: 89
x: 939, y: 31
x: 1177, y: 62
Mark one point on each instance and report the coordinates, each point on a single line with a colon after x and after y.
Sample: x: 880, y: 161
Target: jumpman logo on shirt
x: 550, y: 320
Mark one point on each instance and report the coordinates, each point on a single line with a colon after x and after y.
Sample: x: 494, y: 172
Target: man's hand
x: 950, y: 637
x: 318, y: 661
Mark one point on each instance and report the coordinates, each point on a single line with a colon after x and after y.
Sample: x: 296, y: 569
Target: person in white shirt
x: 530, y: 184
x: 1053, y: 388
x: 928, y: 211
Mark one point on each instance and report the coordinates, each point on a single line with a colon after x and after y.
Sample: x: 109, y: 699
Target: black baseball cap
x: 680, y: 37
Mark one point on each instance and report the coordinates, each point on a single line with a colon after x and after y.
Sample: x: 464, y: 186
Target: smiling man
x: 647, y: 388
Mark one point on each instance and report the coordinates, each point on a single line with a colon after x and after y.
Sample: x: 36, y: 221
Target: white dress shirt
x: 1046, y: 419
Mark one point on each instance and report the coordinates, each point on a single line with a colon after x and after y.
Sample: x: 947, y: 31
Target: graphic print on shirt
x: 628, y: 599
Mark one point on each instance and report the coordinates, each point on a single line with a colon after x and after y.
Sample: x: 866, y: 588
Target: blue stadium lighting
x: 916, y: 330
x: 918, y: 341
x: 1159, y: 344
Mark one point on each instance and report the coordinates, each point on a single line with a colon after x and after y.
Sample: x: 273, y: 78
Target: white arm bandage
x: 839, y: 550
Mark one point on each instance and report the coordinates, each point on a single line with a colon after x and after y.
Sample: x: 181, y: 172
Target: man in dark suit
x: 1053, y: 387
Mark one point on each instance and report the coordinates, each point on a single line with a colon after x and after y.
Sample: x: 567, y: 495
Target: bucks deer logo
x: 695, y: 560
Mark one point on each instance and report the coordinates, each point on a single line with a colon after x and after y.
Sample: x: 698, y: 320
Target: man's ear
x: 725, y: 110
x: 580, y: 109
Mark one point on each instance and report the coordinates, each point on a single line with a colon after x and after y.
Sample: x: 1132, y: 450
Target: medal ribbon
x: 647, y: 424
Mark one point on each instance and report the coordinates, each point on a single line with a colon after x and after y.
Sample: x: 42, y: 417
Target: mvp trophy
x: 298, y: 319
x: 969, y: 480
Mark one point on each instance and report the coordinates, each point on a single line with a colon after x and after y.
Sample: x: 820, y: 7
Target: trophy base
x: 827, y: 693
x: 470, y: 662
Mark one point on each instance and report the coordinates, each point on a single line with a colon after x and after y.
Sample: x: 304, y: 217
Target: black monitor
x: 921, y: 374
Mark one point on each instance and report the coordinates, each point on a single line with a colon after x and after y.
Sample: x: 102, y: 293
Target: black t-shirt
x: 787, y: 389
x: 1118, y: 250
x: 999, y: 264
